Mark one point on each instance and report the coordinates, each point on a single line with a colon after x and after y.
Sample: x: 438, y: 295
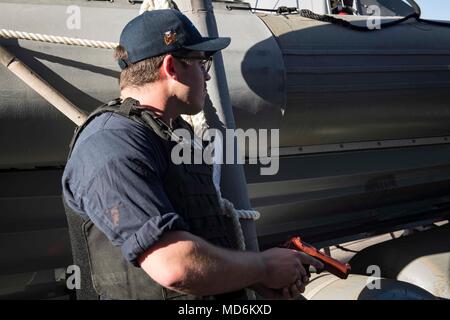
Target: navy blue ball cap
x: 158, y: 32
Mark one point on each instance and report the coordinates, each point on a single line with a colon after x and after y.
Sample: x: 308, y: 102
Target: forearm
x: 189, y: 264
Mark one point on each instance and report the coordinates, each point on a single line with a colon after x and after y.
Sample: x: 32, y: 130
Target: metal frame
x: 366, y: 145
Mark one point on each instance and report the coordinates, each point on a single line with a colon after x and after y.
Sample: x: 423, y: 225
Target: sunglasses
x: 205, y: 62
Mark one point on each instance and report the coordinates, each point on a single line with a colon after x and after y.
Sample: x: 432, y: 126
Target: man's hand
x: 279, y: 294
x: 296, y: 289
x: 284, y: 269
x: 267, y: 293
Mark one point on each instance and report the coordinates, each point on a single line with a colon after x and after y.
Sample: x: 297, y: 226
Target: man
x: 164, y: 220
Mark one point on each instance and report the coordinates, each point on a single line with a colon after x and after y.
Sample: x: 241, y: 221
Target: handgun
x: 331, y: 265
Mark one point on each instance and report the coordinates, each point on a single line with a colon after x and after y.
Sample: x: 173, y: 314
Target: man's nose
x: 207, y: 76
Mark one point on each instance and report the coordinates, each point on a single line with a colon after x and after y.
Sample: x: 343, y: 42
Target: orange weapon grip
x: 331, y: 265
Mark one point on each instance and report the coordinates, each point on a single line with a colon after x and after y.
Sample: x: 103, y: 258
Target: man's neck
x: 160, y: 104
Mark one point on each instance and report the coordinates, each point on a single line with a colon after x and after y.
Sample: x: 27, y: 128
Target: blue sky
x: 436, y: 9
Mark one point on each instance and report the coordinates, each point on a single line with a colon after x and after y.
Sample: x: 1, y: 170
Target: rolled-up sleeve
x: 149, y: 233
x: 126, y: 200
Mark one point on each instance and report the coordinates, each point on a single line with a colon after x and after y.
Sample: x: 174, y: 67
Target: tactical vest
x: 191, y: 192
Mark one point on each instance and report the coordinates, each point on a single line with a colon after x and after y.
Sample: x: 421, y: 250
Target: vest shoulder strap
x: 114, y: 106
x: 129, y: 108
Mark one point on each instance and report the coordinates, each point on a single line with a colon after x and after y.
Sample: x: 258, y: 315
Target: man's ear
x: 168, y: 68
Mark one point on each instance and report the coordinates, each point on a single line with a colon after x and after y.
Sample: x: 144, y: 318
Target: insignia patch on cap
x: 170, y: 37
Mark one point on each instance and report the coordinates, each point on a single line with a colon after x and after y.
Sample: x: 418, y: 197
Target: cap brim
x: 210, y: 45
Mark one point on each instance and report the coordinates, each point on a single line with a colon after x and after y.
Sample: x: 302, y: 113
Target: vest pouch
x: 114, y: 278
x: 173, y: 295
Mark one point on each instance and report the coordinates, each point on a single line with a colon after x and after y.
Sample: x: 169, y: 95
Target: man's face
x: 192, y: 78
